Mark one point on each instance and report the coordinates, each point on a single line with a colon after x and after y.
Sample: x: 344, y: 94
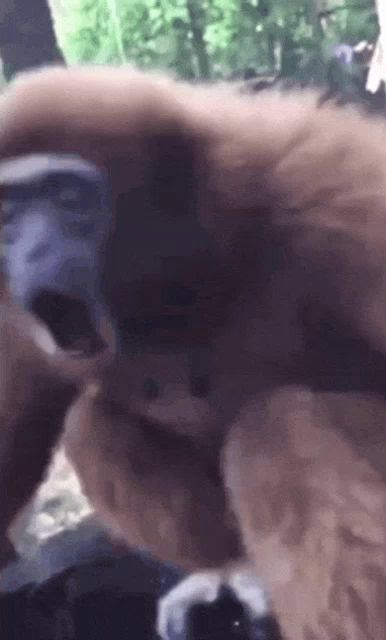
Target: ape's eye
x: 7, y: 210
x: 8, y: 219
x: 69, y: 196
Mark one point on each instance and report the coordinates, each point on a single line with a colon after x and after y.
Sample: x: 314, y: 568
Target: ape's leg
x: 311, y: 506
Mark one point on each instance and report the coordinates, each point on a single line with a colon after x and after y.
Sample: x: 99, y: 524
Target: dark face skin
x: 56, y: 216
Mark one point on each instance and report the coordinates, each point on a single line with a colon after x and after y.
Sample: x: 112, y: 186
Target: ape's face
x: 150, y: 267
x: 56, y: 216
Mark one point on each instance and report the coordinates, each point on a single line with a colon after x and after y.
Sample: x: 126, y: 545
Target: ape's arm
x: 33, y: 401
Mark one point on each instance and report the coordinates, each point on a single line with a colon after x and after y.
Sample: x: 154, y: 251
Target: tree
x: 217, y: 38
x: 27, y: 37
x: 377, y: 73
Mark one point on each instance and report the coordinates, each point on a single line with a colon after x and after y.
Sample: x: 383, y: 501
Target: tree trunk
x: 27, y: 37
x: 315, y: 10
x: 377, y: 72
x: 196, y: 26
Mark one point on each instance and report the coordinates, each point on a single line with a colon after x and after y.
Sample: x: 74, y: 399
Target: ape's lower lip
x: 77, y: 346
x: 70, y: 323
x: 84, y: 348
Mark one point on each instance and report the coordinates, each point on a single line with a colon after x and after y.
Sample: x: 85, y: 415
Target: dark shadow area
x: 79, y: 586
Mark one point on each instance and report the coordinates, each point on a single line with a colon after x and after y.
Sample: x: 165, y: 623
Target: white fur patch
x: 44, y: 340
x: 249, y: 591
x: 173, y: 609
x: 204, y: 587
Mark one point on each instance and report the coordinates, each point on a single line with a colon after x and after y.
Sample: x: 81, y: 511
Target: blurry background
x: 322, y: 42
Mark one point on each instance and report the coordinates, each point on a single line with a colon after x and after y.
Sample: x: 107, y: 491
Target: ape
x: 240, y: 423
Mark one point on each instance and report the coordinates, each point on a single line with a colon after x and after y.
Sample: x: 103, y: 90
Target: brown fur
x: 287, y: 454
x: 37, y: 387
x: 33, y: 403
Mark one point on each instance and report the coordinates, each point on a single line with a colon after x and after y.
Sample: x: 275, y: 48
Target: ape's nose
x: 70, y: 320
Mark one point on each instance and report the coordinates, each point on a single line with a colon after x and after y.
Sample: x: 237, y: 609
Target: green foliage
x: 215, y: 38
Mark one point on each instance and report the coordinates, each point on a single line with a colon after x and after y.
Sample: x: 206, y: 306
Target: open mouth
x: 70, y: 323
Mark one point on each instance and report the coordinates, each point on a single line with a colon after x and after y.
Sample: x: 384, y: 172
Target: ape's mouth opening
x: 70, y: 323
